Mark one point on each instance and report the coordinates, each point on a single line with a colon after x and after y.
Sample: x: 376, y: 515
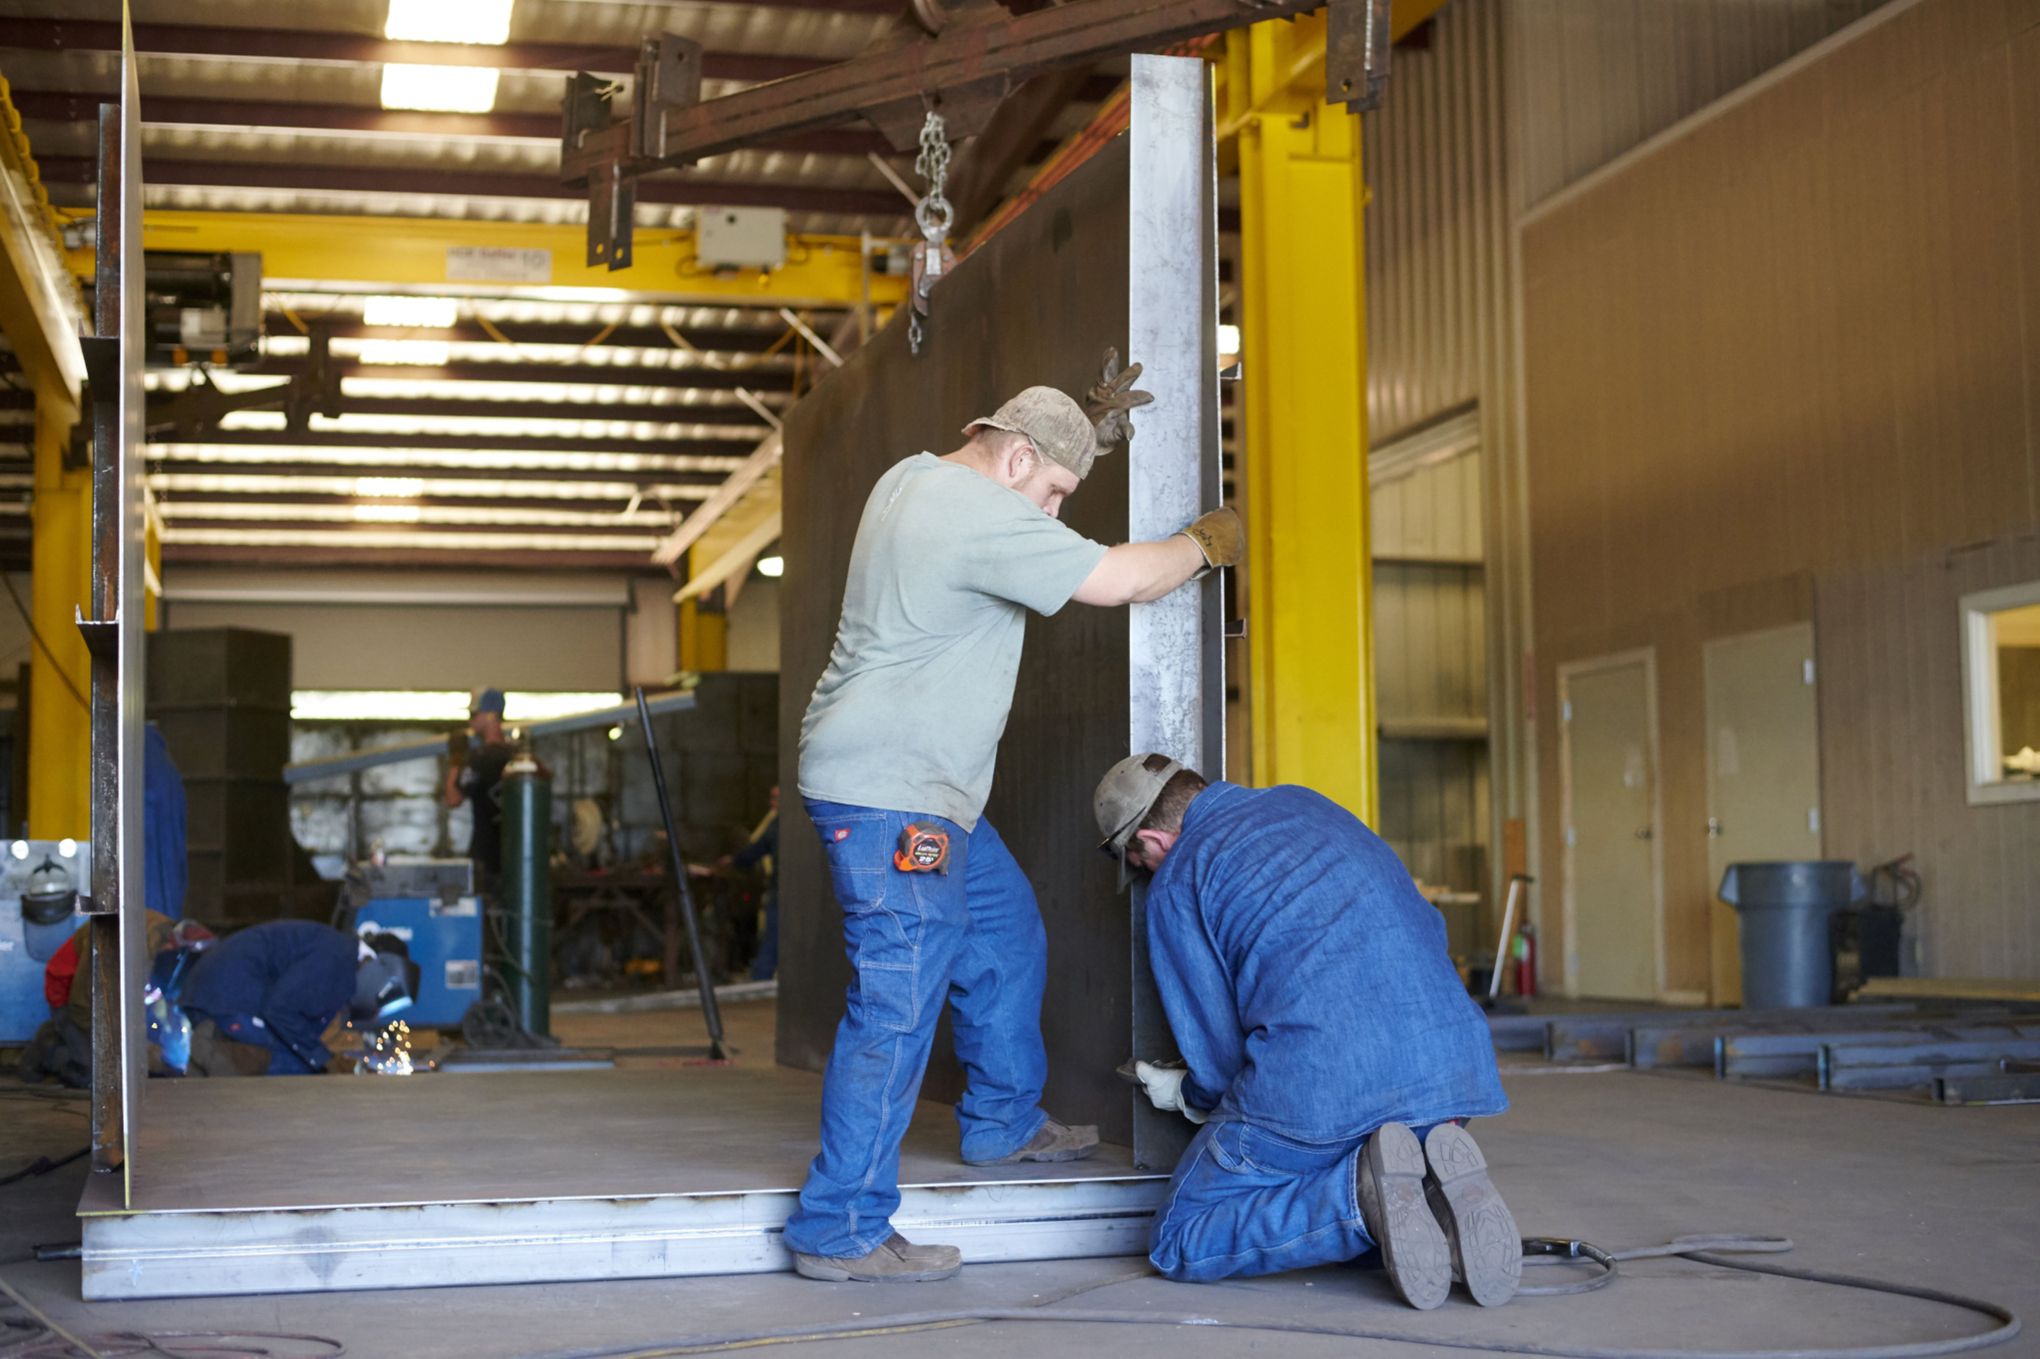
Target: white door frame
x: 1566, y: 673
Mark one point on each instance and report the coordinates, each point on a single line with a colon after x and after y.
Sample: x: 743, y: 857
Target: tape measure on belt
x: 924, y: 848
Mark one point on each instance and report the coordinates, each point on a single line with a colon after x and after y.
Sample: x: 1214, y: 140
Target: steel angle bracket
x: 1356, y: 53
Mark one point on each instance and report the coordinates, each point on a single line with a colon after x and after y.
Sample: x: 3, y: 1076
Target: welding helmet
x: 385, y: 983
x: 48, y: 903
x: 1123, y: 799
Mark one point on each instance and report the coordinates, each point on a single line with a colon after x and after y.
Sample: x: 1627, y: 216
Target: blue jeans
x: 1248, y: 1201
x: 766, y: 961
x: 971, y: 936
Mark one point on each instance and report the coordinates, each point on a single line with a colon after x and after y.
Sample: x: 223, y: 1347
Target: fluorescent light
x: 424, y: 353
x: 773, y: 567
x: 493, y: 488
x: 387, y: 514
x: 435, y: 705
x: 428, y: 313
x: 473, y: 21
x: 367, y: 540
x: 1229, y: 341
x: 439, y: 89
x: 469, y: 459
x: 182, y: 512
x: 393, y: 488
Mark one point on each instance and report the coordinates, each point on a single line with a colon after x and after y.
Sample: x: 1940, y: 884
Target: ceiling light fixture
x: 470, y: 21
x: 387, y: 514
x: 391, y: 488
x: 418, y: 353
x: 772, y: 568
x: 439, y: 89
x: 428, y: 313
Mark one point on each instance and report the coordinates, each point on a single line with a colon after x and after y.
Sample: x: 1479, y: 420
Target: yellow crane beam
x: 427, y: 252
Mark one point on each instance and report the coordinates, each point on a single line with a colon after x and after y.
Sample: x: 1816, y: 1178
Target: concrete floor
x: 1947, y: 1197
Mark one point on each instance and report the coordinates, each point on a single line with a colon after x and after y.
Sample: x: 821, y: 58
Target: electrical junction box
x: 22, y: 960
x: 740, y: 238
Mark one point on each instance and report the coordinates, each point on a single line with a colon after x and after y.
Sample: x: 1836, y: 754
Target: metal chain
x: 933, y: 212
x: 934, y: 215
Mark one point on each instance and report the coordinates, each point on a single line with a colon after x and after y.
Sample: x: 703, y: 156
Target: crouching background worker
x: 1330, y: 1050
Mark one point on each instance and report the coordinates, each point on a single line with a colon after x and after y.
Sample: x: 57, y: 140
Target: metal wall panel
x: 1593, y: 78
x: 1039, y: 303
x: 1877, y: 457
x: 1441, y: 319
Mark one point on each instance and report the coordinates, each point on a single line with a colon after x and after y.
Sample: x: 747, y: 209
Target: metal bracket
x: 668, y: 79
x: 102, y: 636
x: 1356, y: 53
x: 612, y: 209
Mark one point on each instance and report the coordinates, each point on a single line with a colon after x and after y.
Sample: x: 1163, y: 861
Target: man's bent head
x: 1140, y: 805
x: 1053, y: 423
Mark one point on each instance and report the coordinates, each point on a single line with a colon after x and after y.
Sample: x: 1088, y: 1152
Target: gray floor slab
x: 1949, y: 1197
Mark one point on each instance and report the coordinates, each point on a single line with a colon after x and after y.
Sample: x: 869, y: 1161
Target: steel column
x: 1302, y: 322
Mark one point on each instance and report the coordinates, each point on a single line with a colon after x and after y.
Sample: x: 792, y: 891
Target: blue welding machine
x: 26, y: 944
x: 431, y: 905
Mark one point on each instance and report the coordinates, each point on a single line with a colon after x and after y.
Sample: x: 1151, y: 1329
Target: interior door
x: 1612, y: 879
x: 1763, y: 769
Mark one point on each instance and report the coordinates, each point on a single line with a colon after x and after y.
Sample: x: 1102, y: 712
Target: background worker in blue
x: 896, y: 758
x: 1328, y: 1043
x: 260, y: 1000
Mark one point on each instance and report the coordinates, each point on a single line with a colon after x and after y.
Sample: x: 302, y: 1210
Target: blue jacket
x: 1305, y: 977
x: 293, y: 975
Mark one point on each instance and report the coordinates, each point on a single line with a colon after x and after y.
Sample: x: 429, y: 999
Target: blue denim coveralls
x: 293, y: 976
x: 1308, y: 986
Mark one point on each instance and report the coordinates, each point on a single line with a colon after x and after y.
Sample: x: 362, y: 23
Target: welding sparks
x: 389, y: 1052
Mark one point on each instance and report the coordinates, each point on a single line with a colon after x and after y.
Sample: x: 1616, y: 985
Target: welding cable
x: 42, y: 1165
x: 1705, y: 1250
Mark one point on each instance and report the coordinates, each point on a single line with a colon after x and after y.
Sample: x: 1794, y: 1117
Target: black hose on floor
x: 1706, y: 1250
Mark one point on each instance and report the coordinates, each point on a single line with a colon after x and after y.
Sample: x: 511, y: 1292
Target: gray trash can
x: 1786, y: 957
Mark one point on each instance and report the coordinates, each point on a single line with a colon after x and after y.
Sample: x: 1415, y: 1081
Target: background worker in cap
x: 1329, y: 1043
x: 471, y: 777
x: 896, y: 757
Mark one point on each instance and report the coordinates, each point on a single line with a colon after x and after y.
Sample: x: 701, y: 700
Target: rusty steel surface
x: 1039, y: 303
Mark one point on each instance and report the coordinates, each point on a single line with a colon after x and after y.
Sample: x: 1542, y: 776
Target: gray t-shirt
x: 908, y: 715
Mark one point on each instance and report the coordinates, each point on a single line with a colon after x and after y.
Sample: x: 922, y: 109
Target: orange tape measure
x: 924, y: 848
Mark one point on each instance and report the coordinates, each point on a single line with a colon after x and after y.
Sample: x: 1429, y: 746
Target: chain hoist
x: 934, y: 215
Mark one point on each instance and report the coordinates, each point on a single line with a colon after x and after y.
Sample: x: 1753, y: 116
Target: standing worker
x: 472, y: 777
x: 896, y: 756
x: 762, y: 850
x: 1330, y: 1047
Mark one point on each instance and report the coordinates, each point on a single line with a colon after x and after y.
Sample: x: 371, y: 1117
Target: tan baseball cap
x: 1054, y: 422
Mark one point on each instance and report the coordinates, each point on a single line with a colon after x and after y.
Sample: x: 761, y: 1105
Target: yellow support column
x: 1303, y: 333
x: 59, y: 719
x: 704, y: 633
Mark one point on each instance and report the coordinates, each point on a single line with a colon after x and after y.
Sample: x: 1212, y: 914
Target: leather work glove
x: 1112, y: 400
x: 1220, y: 536
x: 1164, y: 1086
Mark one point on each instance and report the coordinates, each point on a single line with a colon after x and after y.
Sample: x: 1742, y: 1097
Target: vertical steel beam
x: 112, y: 624
x: 1175, y: 660
x: 1310, y: 601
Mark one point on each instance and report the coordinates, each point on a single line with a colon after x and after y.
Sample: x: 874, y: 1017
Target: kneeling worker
x: 261, y: 999
x: 1330, y: 1048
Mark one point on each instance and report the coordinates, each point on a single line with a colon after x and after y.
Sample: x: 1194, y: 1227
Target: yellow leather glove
x: 1220, y: 536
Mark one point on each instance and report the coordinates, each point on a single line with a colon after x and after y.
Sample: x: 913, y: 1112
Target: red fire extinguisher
x: 1526, y: 960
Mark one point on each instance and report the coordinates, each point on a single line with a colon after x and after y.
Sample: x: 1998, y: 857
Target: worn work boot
x: 1055, y: 1142
x: 897, y: 1261
x: 1487, y: 1251
x: 1389, y: 1182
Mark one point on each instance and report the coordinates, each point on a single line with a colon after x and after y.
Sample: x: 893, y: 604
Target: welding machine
x: 431, y: 905
x: 40, y: 883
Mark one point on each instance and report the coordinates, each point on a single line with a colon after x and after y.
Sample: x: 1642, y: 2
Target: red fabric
x: 61, y: 973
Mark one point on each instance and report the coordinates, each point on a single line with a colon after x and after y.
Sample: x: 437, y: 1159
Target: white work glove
x: 1164, y: 1086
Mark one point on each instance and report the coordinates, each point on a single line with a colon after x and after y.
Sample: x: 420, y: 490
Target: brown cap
x: 1054, y: 422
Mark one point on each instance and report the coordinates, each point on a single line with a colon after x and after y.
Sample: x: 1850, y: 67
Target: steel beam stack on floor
x: 1955, y: 1053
